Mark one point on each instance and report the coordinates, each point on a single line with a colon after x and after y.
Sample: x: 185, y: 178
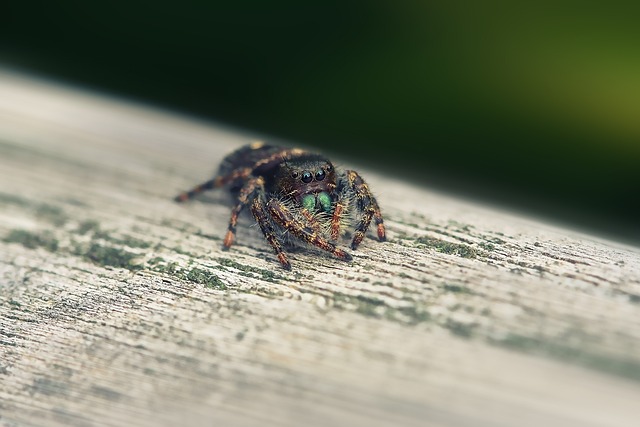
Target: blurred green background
x: 532, y: 106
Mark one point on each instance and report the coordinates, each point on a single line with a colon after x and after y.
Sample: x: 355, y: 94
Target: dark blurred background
x: 535, y: 107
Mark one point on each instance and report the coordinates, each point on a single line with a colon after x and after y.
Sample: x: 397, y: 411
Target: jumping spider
x: 295, y: 193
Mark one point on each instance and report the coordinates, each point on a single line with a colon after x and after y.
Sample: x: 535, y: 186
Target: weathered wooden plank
x: 118, y: 307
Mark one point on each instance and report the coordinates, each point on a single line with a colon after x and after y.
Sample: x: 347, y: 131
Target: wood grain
x: 118, y: 306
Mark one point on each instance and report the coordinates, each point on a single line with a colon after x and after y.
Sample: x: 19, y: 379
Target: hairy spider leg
x: 278, y: 157
x: 368, y: 206
x: 311, y: 220
x: 248, y: 192
x: 264, y: 221
x: 377, y: 218
x: 275, y: 159
x: 217, y: 182
x: 286, y: 220
x: 241, y: 173
x: 336, y: 219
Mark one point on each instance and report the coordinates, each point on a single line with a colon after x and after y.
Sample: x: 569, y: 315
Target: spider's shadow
x: 215, y: 198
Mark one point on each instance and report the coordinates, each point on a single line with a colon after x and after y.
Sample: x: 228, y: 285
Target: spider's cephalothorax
x: 295, y: 193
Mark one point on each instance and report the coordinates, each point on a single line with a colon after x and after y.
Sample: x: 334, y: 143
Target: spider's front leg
x: 264, y: 221
x: 312, y: 221
x: 217, y: 182
x: 367, y: 205
x: 281, y: 215
x: 339, y: 210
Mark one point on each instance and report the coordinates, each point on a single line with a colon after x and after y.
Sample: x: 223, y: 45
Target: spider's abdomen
x: 249, y: 156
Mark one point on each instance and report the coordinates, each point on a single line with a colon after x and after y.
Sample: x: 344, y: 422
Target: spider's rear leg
x: 217, y: 182
x: 368, y: 206
x: 251, y: 189
x: 262, y: 217
x: 281, y: 214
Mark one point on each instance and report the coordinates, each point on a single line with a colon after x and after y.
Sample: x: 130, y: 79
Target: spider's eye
x: 294, y: 174
x: 306, y: 177
x: 328, y: 168
x: 319, y: 175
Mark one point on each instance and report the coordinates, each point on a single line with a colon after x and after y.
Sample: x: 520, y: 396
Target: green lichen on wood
x: 44, y: 211
x: 266, y: 275
x: 204, y: 277
x: 194, y: 275
x: 97, y: 233
x: 97, y: 253
x: 377, y: 308
x: 445, y: 247
x: 111, y: 257
x: 460, y: 329
x: 86, y: 226
x: 125, y: 240
x: 168, y: 268
x: 411, y: 314
x: 458, y: 289
x: 52, y: 214
x: 11, y: 199
x: 489, y: 247
x: 33, y: 240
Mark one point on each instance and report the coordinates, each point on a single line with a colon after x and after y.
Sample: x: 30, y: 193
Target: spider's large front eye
x: 319, y: 175
x: 306, y: 177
